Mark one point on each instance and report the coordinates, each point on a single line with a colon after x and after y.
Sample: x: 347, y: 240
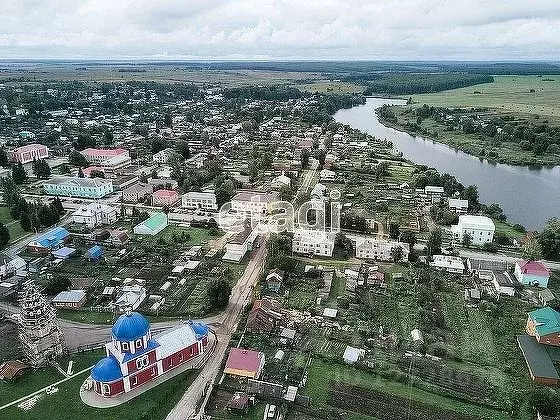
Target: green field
x: 326, y: 86
x: 507, y: 93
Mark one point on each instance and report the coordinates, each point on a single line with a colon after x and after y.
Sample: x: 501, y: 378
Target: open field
x: 33, y: 72
x: 507, y: 94
x: 328, y: 86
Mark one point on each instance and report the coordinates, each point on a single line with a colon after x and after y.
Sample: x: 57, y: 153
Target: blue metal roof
x: 95, y: 252
x: 199, y: 328
x: 106, y: 370
x: 130, y: 326
x: 152, y: 344
x: 64, y: 252
x: 53, y: 237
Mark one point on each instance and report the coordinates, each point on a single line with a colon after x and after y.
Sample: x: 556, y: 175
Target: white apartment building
x: 95, y: 214
x: 380, y: 249
x: 238, y: 245
x: 163, y: 156
x: 480, y: 228
x: 313, y: 242
x: 199, y: 200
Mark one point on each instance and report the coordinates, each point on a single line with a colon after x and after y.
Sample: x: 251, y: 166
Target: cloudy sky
x: 281, y: 29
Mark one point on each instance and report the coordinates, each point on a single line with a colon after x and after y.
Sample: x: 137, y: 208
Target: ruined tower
x: 39, y: 332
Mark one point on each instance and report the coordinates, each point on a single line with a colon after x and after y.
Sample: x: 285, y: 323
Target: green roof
x: 537, y: 357
x: 155, y: 221
x: 547, y: 321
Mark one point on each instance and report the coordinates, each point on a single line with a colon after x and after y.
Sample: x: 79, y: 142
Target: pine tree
x: 19, y: 175
x: 4, y: 235
x: 25, y: 221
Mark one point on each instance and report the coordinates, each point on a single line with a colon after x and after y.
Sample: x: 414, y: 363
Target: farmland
x: 510, y: 94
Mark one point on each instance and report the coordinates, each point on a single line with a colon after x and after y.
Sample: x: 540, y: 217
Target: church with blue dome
x: 134, y: 357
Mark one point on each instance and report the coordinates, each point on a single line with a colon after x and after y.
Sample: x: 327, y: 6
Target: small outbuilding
x: 353, y: 354
x: 94, y: 253
x: 70, y: 299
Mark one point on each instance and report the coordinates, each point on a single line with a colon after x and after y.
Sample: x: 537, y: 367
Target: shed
x: 416, y: 335
x: 11, y: 369
x: 279, y: 355
x: 330, y: 313
x: 239, y: 401
x: 94, y: 253
x: 353, y: 354
x: 70, y: 299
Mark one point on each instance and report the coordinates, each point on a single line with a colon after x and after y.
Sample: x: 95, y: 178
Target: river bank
x: 529, y: 196
x: 508, y: 153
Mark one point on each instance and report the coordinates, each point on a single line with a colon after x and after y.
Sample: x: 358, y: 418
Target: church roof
x: 130, y: 326
x: 106, y: 370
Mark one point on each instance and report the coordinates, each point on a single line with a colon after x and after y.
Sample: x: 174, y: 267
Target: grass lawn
x: 507, y: 93
x: 321, y: 373
x: 86, y: 316
x: 13, y: 225
x: 507, y: 230
x: 66, y: 403
x: 41, y: 378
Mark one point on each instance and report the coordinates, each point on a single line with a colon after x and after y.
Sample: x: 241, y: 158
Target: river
x: 528, y: 196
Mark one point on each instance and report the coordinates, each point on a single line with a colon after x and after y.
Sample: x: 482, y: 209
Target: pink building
x: 29, y: 152
x: 164, y: 197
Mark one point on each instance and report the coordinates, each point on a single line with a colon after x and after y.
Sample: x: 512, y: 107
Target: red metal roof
x: 165, y: 193
x: 242, y: 359
x: 534, y: 267
x: 104, y: 152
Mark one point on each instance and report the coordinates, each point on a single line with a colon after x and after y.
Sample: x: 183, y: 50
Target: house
x: 352, y: 355
x: 313, y: 242
x: 63, y: 253
x: 533, y: 273
x: 164, y: 155
x: 164, y: 197
x: 274, y: 280
x: 53, y: 239
x: 153, y: 225
x: 458, y: 206
x: 503, y: 283
x: 10, y: 265
x: 70, y: 299
x: 253, y: 202
x: 539, y: 362
x: 264, y: 317
x: 238, y: 245
x: 327, y: 175
x: 95, y: 214
x: 544, y: 325
x: 137, y: 193
x: 29, y: 153
x: 480, y: 228
x: 129, y: 297
x: 434, y: 193
x: 380, y: 249
x: 448, y: 263
x: 163, y: 184
x: 281, y: 181
x: 318, y: 192
x: 68, y: 186
x: 135, y: 357
x: 244, y: 363
x: 199, y: 200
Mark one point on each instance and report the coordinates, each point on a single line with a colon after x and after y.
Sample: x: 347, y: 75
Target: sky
x: 281, y: 29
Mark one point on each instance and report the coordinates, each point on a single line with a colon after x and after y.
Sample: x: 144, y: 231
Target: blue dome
x: 130, y: 327
x: 106, y: 370
x: 199, y: 328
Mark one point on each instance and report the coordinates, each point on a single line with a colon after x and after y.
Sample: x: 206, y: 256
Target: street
x: 240, y: 296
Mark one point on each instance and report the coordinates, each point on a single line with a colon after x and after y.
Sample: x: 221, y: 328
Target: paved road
x: 186, y: 408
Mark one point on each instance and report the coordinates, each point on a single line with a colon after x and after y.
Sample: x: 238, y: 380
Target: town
x: 144, y: 272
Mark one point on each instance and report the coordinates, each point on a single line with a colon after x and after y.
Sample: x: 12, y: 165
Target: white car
x: 271, y: 411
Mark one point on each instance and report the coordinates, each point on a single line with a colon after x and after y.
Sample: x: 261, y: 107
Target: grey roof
x: 504, y: 279
x: 538, y: 360
x: 70, y: 296
x: 288, y: 333
x: 79, y: 182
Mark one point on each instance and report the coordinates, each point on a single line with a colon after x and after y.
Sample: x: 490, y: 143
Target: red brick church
x: 134, y: 357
